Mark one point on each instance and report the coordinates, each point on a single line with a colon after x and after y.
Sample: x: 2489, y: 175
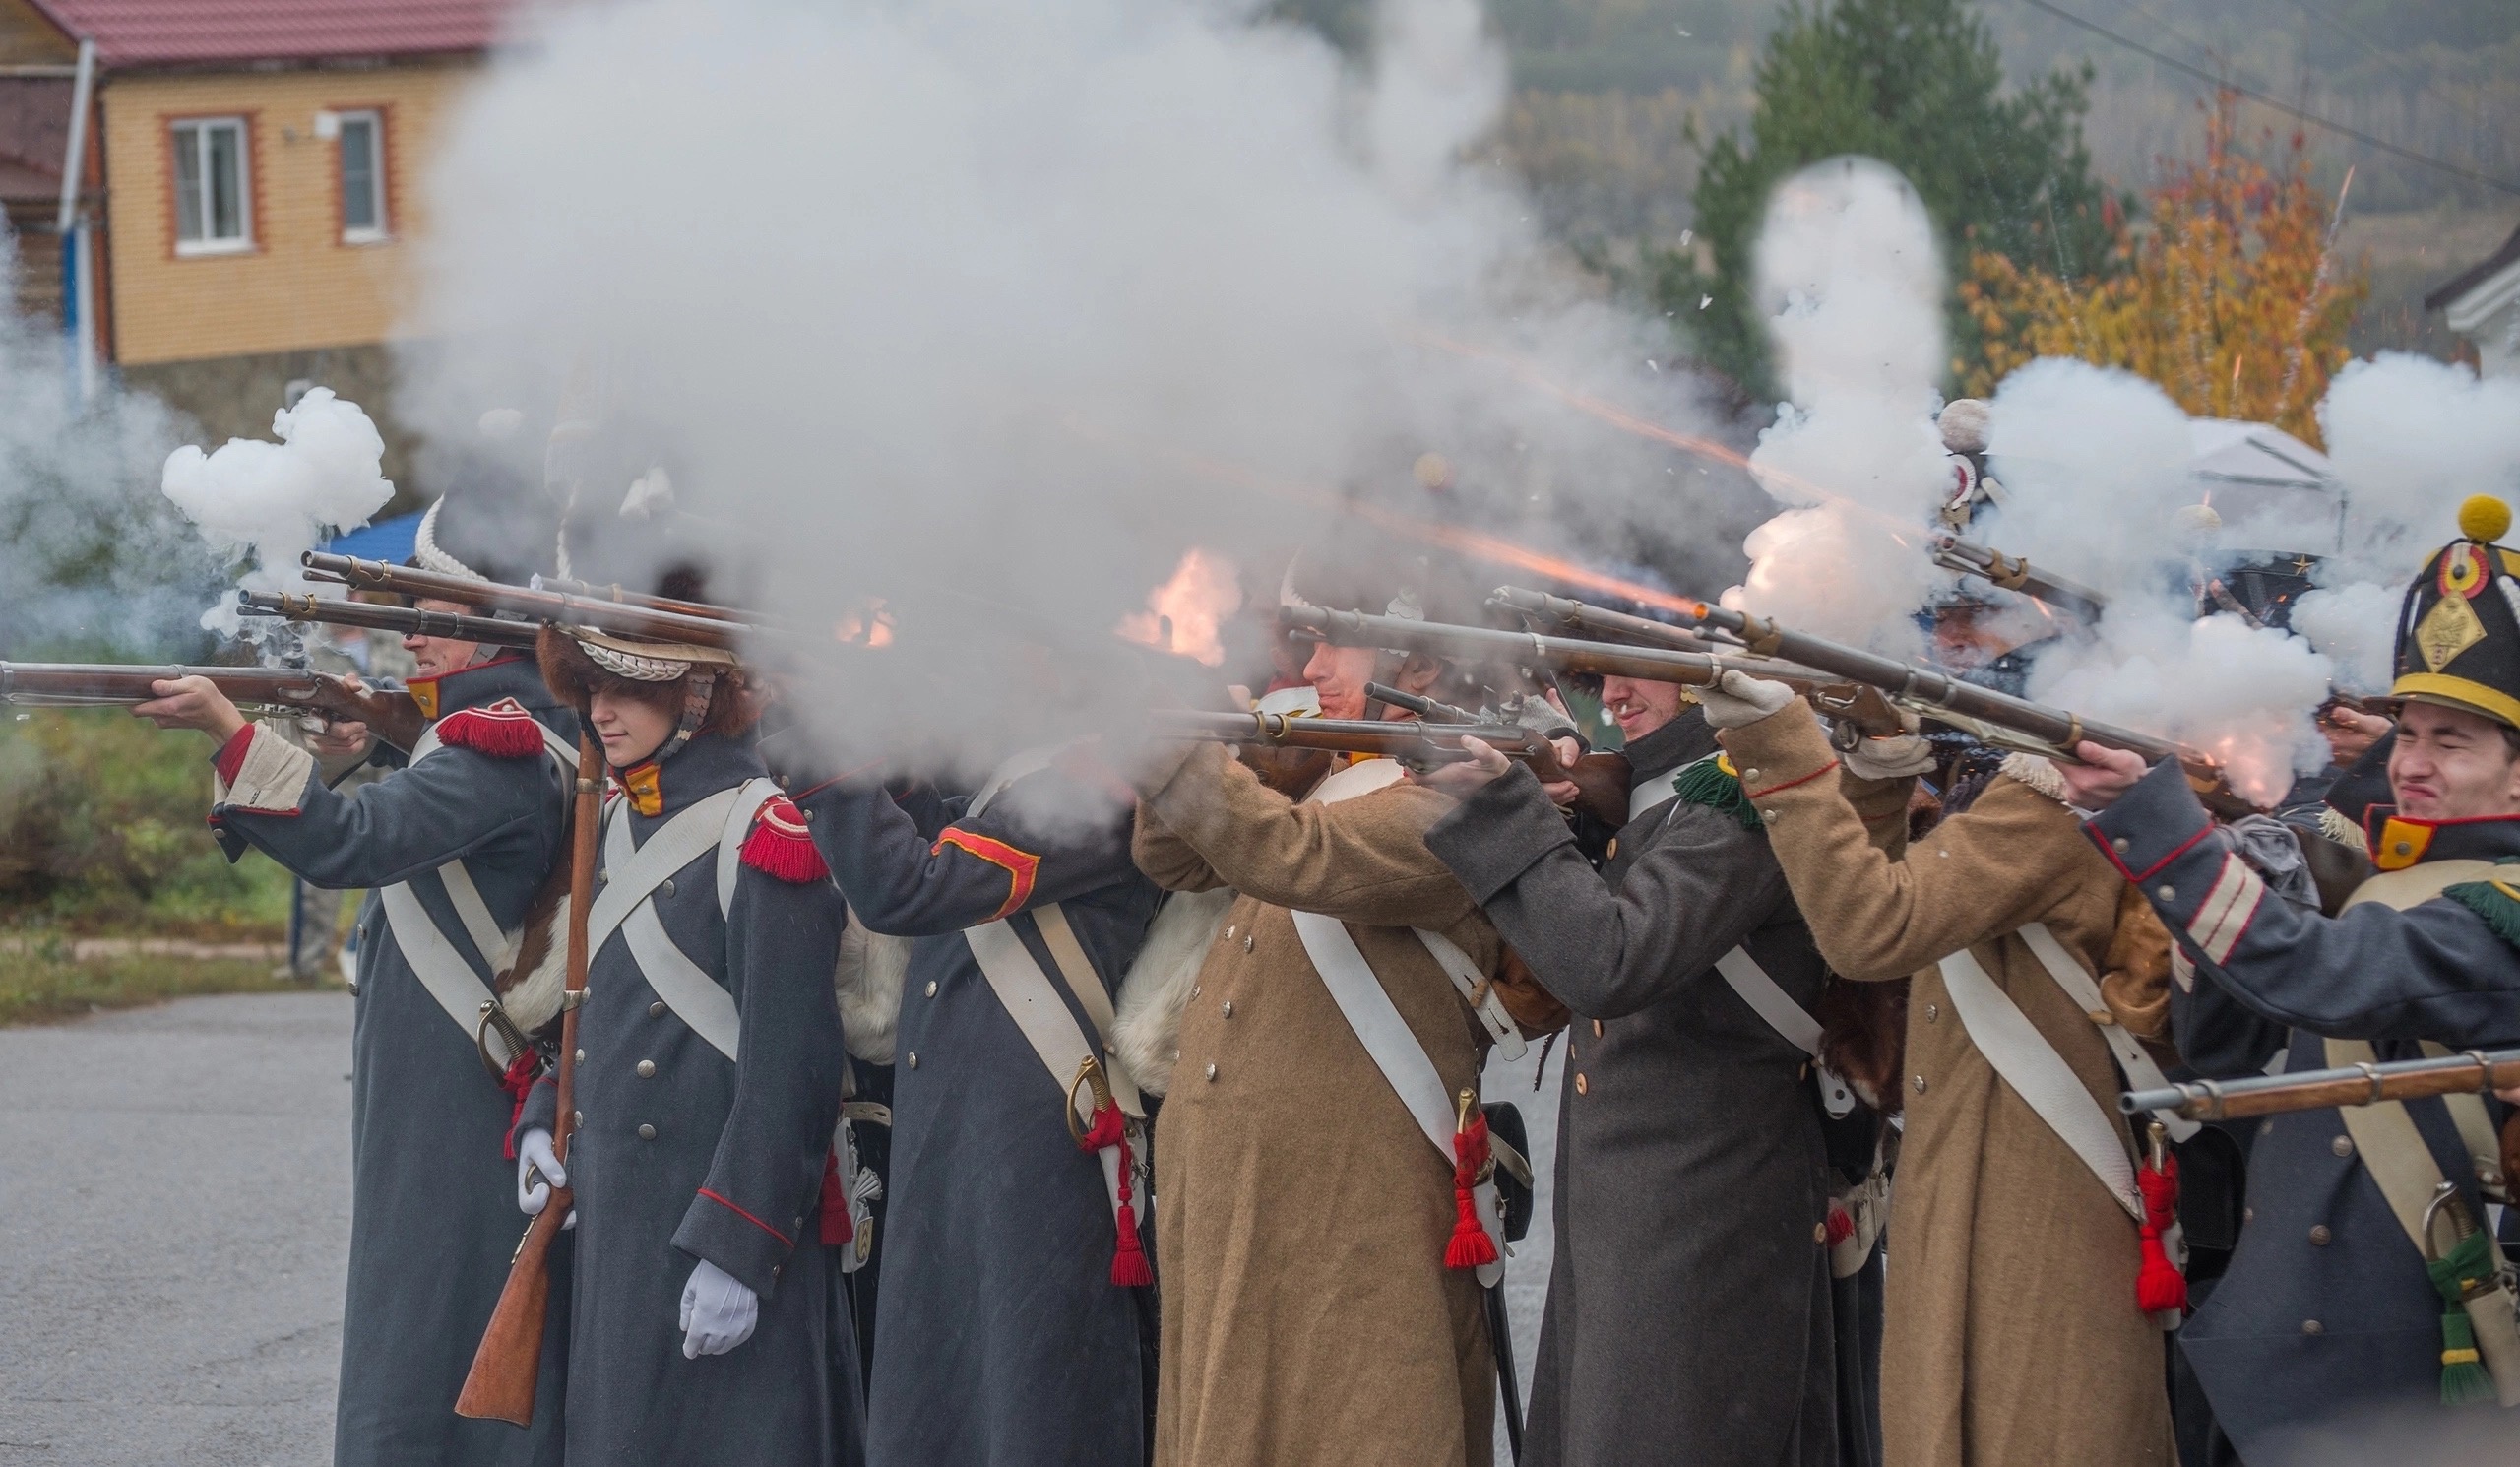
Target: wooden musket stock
x: 391, y: 713
x: 2323, y: 1089
x: 506, y: 1367
x: 1601, y: 778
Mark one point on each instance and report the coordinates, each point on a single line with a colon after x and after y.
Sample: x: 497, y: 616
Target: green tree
x: 1917, y: 84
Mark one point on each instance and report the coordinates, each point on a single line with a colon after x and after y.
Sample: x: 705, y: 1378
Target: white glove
x: 1890, y: 757
x: 534, y: 1154
x: 1742, y: 699
x: 717, y: 1313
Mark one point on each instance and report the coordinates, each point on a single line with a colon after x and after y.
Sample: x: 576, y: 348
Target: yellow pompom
x: 2484, y: 519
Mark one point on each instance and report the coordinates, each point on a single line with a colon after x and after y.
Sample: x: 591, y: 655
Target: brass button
x: 2319, y: 1236
x: 1195, y: 988
x: 657, y: 1009
x: 805, y: 817
x: 647, y: 1133
x: 2342, y: 1146
x: 582, y: 1056
x: 2266, y: 1127
x: 798, y: 1221
x: 913, y: 1059
x: 1229, y: 1009
x: 1581, y: 1085
x: 932, y: 987
x: 666, y: 887
x: 578, y: 1119
x: 1596, y: 1029
x: 2166, y: 892
x: 2118, y: 845
x: 1770, y: 815
x: 2403, y: 849
x: 1819, y: 1230
x: 1246, y: 942
x: 774, y: 1270
x: 2312, y: 1326
x: 1748, y: 775
x: 647, y: 1068
x: 1212, y: 1072
x: 1612, y: 850
x: 2248, y: 1215
x: 1920, y: 1083
x: 1232, y: 932
x: 1933, y: 1012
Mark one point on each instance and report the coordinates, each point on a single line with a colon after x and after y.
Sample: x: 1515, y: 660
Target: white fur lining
x: 271, y: 779
x: 533, y: 999
x: 1146, y: 1029
x: 2038, y: 773
x: 868, y: 985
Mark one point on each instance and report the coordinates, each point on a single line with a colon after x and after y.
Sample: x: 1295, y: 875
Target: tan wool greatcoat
x: 1301, y: 1214
x: 2011, y: 1334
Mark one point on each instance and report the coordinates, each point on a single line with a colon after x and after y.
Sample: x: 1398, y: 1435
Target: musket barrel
x: 542, y: 605
x: 1528, y: 649
x: 408, y: 620
x: 2012, y: 573
x: 2470, y: 1072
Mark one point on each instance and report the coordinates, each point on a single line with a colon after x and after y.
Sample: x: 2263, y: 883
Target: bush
x: 101, y: 825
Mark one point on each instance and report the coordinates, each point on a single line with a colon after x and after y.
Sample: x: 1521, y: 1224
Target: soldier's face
x: 435, y: 657
x: 2450, y: 764
x: 1640, y: 707
x: 1340, y: 674
x: 631, y: 728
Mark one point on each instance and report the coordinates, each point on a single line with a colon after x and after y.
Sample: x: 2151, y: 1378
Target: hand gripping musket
x: 2323, y: 1089
x: 1857, y: 710
x: 289, y: 691
x: 1970, y: 559
x: 410, y: 621
x: 622, y: 617
x: 2000, y: 718
x: 501, y: 1383
x: 1600, y: 779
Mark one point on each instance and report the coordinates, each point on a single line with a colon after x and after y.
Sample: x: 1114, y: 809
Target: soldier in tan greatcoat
x: 2013, y: 1331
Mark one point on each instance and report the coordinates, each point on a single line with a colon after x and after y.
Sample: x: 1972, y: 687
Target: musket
x: 500, y: 1387
x: 2012, y: 573
x: 411, y: 621
x: 2472, y: 1072
x: 556, y: 608
x: 293, y: 690
x: 590, y: 591
x: 1600, y: 779
x: 1857, y: 710
x: 1998, y: 718
x: 1581, y: 618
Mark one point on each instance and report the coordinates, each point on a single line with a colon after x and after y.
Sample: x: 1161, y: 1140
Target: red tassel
x: 1129, y: 1268
x: 1841, y: 1225
x: 517, y: 1082
x: 780, y: 846
x: 504, y: 729
x: 2158, y: 1285
x: 1471, y: 1247
x: 838, y: 1226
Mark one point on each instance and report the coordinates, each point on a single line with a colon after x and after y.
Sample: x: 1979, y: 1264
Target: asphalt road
x: 175, y: 1228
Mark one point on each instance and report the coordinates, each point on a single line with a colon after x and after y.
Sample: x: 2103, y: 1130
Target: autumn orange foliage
x: 2228, y: 294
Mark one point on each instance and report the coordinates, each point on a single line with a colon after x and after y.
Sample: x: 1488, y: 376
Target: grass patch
x: 42, y: 981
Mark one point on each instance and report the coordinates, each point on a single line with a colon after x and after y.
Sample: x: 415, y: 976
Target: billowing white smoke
x: 2356, y: 625
x: 1017, y: 299
x: 2093, y: 463
x: 276, y: 501
x: 1850, y: 275
x: 2410, y: 438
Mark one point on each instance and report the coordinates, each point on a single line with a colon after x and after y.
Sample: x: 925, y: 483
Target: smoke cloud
x: 1021, y: 302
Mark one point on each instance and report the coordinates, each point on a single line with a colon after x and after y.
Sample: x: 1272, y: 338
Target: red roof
x: 195, y: 32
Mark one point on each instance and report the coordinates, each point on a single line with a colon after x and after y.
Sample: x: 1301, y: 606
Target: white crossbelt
x: 2030, y: 1065
x: 1377, y: 1021
x: 449, y: 979
x: 633, y: 874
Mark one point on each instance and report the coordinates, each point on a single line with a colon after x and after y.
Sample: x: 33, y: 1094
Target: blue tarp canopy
x: 389, y: 540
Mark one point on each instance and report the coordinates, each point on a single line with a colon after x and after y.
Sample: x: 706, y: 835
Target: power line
x: 2260, y: 98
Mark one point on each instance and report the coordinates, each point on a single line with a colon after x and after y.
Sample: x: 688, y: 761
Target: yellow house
x: 249, y: 172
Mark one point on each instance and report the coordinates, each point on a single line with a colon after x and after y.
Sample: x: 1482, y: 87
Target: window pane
x: 188, y: 184
x: 359, y: 174
x: 227, y: 191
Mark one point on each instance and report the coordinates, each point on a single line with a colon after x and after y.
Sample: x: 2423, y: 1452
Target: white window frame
x: 383, y: 230
x: 200, y: 129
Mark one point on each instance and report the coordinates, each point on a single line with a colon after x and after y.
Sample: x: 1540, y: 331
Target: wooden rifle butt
x: 500, y: 1387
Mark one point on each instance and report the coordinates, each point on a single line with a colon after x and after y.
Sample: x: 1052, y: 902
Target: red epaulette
x: 504, y: 729
x: 780, y: 846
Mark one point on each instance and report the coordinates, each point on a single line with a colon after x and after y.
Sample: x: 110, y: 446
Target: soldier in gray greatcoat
x: 431, y: 1225
x: 1689, y: 1300
x: 2328, y: 1313
x: 1014, y: 1321
x: 708, y: 1083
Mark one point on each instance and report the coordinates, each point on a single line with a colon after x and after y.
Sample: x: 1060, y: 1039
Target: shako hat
x: 2459, y: 631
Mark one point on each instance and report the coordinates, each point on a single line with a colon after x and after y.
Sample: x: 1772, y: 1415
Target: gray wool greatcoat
x: 1001, y: 1337
x: 433, y: 1218
x: 702, y: 1157
x: 2326, y: 1311
x: 1689, y: 1313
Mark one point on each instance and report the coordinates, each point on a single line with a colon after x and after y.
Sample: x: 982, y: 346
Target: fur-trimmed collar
x: 2039, y: 774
